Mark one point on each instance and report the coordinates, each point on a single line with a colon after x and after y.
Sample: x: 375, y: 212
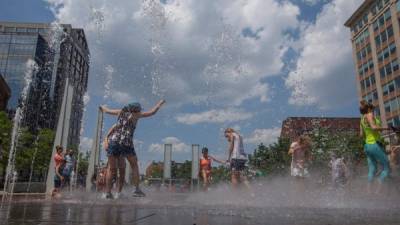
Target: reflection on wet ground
x: 182, y: 209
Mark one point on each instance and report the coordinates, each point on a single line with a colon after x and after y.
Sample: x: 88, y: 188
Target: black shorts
x: 238, y: 164
x: 57, y: 182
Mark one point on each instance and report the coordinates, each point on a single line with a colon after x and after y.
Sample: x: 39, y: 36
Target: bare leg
x: 235, y: 178
x: 135, y: 169
x: 111, y: 172
x: 205, y: 179
x: 121, y: 171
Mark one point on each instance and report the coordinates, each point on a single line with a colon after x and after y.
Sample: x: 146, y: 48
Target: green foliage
x: 83, y: 163
x: 342, y: 144
x: 5, y: 140
x: 184, y: 171
x: 272, y: 159
x: 220, y: 174
x: 37, y: 148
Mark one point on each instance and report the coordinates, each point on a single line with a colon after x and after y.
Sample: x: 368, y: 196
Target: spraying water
x: 9, y: 182
x: 108, y: 84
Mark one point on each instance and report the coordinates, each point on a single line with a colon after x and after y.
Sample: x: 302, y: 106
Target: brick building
x: 293, y: 127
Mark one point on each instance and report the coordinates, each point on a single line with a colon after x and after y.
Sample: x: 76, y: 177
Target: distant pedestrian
x: 70, y: 165
x: 338, y: 171
x: 300, y: 150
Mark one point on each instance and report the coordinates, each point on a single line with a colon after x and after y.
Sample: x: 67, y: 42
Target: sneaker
x: 138, y: 193
x: 106, y: 196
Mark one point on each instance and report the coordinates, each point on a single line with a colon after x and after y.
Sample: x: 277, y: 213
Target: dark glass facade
x: 20, y: 42
x: 16, y: 50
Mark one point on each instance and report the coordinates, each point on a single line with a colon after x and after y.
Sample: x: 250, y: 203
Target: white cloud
x: 86, y: 144
x: 214, y: 116
x: 314, y: 2
x: 121, y: 97
x: 185, y: 51
x: 324, y: 73
x: 265, y: 136
x: 177, y: 146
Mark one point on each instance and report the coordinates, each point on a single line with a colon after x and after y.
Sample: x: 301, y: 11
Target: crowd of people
x: 119, y: 146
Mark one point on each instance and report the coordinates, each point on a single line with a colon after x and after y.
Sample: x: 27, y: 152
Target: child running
x: 373, y: 148
x: 206, y: 166
x: 58, y: 178
x: 121, y: 141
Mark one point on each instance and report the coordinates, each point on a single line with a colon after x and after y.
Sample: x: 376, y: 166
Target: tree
x: 83, y: 163
x: 220, y: 174
x: 184, y: 171
x: 272, y: 159
x: 34, y: 153
x: 5, y: 140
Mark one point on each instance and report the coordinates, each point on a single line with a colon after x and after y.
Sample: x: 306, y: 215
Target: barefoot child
x: 205, y: 167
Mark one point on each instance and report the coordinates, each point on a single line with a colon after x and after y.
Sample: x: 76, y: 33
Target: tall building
x: 375, y: 37
x: 293, y: 127
x: 60, y: 52
x: 5, y: 93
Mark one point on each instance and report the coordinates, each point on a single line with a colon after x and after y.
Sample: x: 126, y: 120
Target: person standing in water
x: 237, y: 157
x: 370, y: 128
x: 120, y: 163
x: 121, y: 141
x: 58, y: 177
x: 206, y: 166
x: 338, y: 171
x: 300, y: 152
x: 69, y: 167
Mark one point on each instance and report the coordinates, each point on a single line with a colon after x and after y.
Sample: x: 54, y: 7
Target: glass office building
x: 20, y: 42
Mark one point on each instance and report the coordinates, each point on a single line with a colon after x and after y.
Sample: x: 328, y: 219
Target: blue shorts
x: 115, y: 149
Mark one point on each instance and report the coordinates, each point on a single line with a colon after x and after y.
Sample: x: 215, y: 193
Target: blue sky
x: 217, y: 64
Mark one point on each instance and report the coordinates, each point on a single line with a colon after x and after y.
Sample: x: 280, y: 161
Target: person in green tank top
x: 370, y: 128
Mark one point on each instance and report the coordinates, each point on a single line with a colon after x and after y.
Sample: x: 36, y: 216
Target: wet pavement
x: 183, y: 209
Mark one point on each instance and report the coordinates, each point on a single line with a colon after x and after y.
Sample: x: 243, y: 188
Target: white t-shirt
x: 238, y: 149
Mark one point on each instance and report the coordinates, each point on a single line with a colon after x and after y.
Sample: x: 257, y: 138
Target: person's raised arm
x: 216, y: 160
x: 153, y: 110
x: 114, y: 112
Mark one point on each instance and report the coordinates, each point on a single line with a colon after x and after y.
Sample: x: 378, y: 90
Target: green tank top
x: 371, y: 135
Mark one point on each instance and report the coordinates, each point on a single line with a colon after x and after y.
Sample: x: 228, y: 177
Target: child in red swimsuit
x: 205, y: 167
